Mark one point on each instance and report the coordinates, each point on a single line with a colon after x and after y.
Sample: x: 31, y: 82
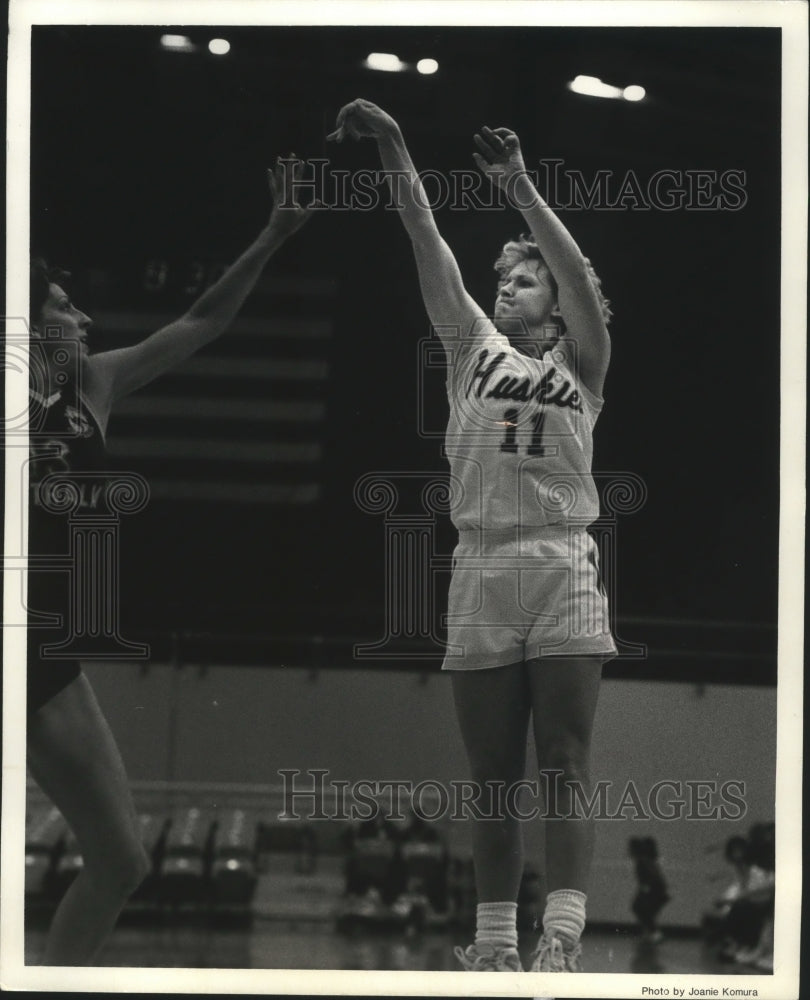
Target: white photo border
x: 791, y: 17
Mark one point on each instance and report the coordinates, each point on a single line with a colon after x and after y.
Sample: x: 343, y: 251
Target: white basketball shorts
x: 524, y: 593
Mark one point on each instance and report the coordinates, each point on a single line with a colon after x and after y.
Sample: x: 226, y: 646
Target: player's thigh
x: 564, y: 696
x: 570, y: 604
x: 73, y: 757
x: 492, y: 707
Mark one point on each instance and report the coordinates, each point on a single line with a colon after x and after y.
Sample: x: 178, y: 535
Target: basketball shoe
x: 489, y: 958
x: 550, y: 956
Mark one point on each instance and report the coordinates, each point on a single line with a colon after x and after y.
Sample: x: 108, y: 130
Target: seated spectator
x: 739, y: 916
x: 425, y: 865
x: 759, y: 898
x: 372, y: 876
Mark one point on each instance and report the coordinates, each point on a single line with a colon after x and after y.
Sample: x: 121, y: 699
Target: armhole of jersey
x: 595, y: 402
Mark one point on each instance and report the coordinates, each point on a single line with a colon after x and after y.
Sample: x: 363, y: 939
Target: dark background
x: 140, y: 153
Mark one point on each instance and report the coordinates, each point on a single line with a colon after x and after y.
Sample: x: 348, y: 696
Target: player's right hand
x: 499, y: 155
x: 361, y: 119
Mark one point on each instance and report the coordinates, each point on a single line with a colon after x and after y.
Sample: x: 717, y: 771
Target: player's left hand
x: 287, y: 215
x: 499, y: 155
x: 361, y: 119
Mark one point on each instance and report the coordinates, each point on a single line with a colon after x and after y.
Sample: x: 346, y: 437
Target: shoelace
x: 549, y: 955
x: 571, y: 958
x: 473, y: 962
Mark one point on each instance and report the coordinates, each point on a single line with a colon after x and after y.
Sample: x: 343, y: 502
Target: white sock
x: 496, y: 924
x: 564, y: 917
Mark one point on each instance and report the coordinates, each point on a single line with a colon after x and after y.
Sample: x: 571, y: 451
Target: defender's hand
x: 361, y: 119
x: 287, y: 215
x: 499, y: 155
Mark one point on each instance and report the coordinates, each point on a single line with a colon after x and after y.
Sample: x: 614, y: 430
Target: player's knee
x: 136, y: 867
x: 567, y: 754
x: 119, y: 874
x: 133, y: 866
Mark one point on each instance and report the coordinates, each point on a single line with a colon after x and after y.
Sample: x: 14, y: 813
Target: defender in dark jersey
x: 71, y: 752
x: 527, y: 624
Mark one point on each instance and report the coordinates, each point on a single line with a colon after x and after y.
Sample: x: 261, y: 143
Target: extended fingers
x: 293, y: 177
x: 493, y: 138
x: 505, y: 134
x: 282, y: 177
x: 290, y: 169
x: 489, y: 152
x: 499, y: 140
x: 277, y: 180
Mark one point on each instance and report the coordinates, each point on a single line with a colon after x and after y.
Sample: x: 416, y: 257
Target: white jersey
x: 519, y: 437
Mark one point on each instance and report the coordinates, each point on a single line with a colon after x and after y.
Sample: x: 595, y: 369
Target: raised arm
x: 446, y: 300
x: 500, y: 158
x: 113, y: 374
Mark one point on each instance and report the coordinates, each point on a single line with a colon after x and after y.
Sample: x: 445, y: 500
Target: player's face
x: 525, y: 294
x: 62, y: 324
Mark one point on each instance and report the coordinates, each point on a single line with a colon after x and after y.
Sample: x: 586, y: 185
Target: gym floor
x: 300, y: 944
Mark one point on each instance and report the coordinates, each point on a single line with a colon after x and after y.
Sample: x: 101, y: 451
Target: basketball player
x: 71, y: 751
x: 528, y: 621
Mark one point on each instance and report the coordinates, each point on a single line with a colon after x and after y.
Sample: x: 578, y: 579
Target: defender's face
x: 62, y: 324
x: 526, y: 293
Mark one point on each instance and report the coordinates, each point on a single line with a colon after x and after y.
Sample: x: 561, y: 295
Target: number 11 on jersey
x: 509, y: 443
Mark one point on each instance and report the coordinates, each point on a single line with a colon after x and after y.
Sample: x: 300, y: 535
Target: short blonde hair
x: 525, y: 248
